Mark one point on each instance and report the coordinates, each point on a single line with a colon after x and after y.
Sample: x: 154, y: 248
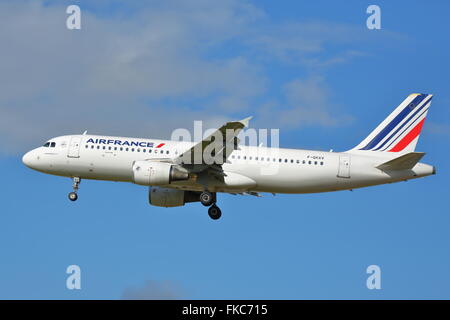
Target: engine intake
x: 152, y: 173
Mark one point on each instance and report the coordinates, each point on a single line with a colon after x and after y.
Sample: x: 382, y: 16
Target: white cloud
x: 156, y: 68
x: 307, y: 102
x: 311, y: 44
x: 116, y: 75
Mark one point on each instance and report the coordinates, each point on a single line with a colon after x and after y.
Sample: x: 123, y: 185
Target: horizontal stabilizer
x: 407, y: 161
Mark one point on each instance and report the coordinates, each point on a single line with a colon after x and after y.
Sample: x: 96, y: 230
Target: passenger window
x: 150, y: 151
x: 321, y: 163
x: 298, y: 161
x: 109, y: 148
x: 115, y: 148
x: 303, y: 161
x: 126, y: 149
x: 292, y: 161
x: 92, y: 147
x: 167, y: 152
x: 309, y: 162
x: 98, y: 147
x: 144, y: 150
x: 138, y: 150
x: 162, y: 151
x: 132, y: 149
x: 121, y: 149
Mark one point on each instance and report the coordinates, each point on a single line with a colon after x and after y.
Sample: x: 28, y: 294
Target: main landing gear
x: 73, y: 196
x: 208, y: 199
x: 214, y: 212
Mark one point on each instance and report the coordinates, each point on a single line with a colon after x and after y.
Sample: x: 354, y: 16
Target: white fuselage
x: 249, y: 169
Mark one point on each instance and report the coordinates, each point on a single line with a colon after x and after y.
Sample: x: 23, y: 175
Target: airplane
x: 386, y: 155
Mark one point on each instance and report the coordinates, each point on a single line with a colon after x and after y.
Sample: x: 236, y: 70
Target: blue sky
x: 312, y: 69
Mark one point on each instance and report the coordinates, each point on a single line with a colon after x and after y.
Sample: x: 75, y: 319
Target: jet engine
x: 153, y: 173
x: 166, y: 197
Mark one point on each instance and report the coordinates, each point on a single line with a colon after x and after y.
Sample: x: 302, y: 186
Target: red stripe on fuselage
x: 402, y: 144
x: 160, y: 145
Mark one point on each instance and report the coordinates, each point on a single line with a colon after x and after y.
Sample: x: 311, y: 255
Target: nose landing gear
x: 208, y: 199
x: 73, y: 196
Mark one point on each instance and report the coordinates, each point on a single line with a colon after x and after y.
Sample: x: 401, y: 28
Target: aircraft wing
x: 214, y: 150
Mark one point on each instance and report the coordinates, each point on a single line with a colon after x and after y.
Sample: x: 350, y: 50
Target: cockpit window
x: 50, y: 144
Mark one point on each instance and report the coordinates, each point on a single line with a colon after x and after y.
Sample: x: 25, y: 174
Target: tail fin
x: 400, y: 131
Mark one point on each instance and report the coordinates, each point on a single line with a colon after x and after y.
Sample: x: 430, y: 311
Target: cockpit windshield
x: 49, y: 144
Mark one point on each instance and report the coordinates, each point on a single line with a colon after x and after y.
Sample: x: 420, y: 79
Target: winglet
x: 246, y: 121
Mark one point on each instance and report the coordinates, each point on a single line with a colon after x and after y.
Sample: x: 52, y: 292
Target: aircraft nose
x: 27, y: 159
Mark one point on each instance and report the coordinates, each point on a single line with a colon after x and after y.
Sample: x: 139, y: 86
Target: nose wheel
x: 73, y: 196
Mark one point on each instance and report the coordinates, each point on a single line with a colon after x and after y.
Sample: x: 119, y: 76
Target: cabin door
x: 344, y: 167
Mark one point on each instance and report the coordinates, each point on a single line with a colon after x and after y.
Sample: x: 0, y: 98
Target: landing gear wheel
x: 214, y: 212
x: 73, y: 196
x: 207, y: 198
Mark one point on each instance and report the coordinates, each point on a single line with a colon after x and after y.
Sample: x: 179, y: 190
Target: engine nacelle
x: 166, y: 197
x: 153, y: 173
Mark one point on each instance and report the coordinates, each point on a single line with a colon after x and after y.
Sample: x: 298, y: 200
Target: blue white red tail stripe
x: 408, y: 127
x: 423, y: 108
x: 386, y: 130
x: 400, y: 131
x: 406, y: 140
